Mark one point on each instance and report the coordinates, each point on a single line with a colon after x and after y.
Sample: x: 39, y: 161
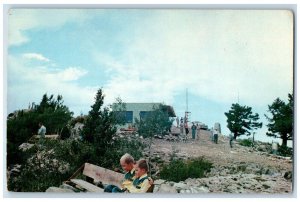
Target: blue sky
x: 148, y: 55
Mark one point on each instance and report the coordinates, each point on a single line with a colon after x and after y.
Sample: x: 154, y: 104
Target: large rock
x: 60, y: 190
x: 159, y: 182
x: 180, y: 186
x: 25, y: 146
x: 165, y: 188
x: 66, y: 186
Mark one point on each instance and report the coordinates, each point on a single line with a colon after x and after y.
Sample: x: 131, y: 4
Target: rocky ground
x: 236, y: 170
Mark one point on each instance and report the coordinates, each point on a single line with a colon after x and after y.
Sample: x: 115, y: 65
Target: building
x: 140, y: 111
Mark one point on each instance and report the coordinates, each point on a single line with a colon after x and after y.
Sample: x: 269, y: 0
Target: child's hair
x: 142, y: 164
x: 128, y: 159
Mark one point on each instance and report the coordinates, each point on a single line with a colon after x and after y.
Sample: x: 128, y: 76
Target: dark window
x: 144, y: 114
x: 124, y: 116
x: 129, y: 116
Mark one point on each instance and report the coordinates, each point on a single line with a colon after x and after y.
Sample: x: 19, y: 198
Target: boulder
x: 60, y: 190
x: 165, y: 188
x: 66, y: 186
x: 25, y: 146
x: 159, y: 182
x: 180, y: 186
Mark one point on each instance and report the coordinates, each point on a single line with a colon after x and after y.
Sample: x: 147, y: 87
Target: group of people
x: 136, y: 179
x: 184, y: 126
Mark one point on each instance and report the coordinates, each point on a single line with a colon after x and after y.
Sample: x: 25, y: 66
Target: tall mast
x: 186, y: 99
x: 187, y: 106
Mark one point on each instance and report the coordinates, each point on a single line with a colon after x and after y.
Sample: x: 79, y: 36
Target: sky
x: 216, y: 57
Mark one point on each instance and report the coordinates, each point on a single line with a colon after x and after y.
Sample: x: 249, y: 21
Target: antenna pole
x: 186, y: 96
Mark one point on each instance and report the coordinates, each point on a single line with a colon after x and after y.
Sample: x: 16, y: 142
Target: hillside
x: 236, y: 170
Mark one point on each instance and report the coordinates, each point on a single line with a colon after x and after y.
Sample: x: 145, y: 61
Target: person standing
x: 177, y: 121
x: 181, y: 127
x: 216, y: 136
x: 186, y: 126
x: 194, y: 128
x: 41, y: 133
x: 230, y: 140
x: 212, y: 134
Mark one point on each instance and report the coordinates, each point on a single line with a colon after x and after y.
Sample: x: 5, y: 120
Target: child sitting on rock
x: 142, y: 182
x: 127, y: 162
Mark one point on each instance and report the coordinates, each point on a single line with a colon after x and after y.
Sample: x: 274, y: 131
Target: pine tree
x: 281, y: 122
x: 20, y: 127
x: 241, y: 120
x: 100, y: 127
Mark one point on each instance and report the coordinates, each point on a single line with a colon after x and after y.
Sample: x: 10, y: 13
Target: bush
x: 246, y: 143
x: 59, y: 159
x: 285, y: 151
x: 50, y: 165
x: 24, y: 124
x: 111, y: 159
x: 65, y: 133
x: 180, y: 170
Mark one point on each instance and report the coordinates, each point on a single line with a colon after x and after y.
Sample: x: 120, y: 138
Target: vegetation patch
x: 285, y: 151
x: 180, y: 170
x: 246, y: 143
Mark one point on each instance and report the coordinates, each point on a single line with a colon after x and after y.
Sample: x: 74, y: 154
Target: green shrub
x: 197, y: 168
x: 65, y: 133
x: 285, y: 151
x: 59, y: 159
x: 120, y: 146
x: 246, y: 143
x: 180, y: 170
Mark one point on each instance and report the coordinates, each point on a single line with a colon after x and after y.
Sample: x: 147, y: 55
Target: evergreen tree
x: 99, y: 129
x: 24, y: 123
x: 241, y: 120
x: 93, y: 119
x: 281, y: 120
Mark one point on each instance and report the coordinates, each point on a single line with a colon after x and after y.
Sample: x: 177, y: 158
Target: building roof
x: 149, y: 106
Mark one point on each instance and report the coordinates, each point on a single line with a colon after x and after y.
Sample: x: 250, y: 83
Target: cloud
x: 71, y: 74
x: 22, y: 20
x: 27, y: 84
x: 35, y: 56
x: 217, y: 55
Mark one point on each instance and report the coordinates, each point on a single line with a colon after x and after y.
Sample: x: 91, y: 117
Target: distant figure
x: 181, y: 126
x: 212, y: 135
x: 181, y: 129
x: 194, y: 128
x: 41, y: 132
x: 230, y: 139
x: 186, y: 126
x: 177, y: 121
x: 216, y: 136
x: 274, y: 148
